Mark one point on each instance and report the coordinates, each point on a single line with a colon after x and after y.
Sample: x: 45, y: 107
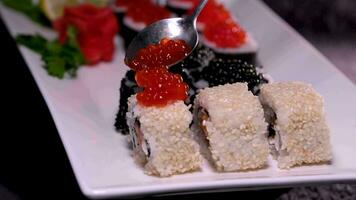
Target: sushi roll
x: 217, y: 71
x: 231, y: 119
x: 300, y: 134
x: 221, y: 71
x: 212, y: 12
x: 229, y: 40
x: 140, y: 15
x: 128, y: 87
x: 221, y: 32
x: 180, y: 7
x: 202, y: 69
x: 120, y: 7
x: 195, y: 62
x: 161, y: 138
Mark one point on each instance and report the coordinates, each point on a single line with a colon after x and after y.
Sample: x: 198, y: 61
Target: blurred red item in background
x: 96, y: 28
x: 228, y: 34
x: 147, y: 12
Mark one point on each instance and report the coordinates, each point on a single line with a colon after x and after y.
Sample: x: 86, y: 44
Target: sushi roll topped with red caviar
x: 180, y: 7
x: 229, y: 38
x: 221, y: 32
x: 121, y: 6
x: 225, y: 34
x: 212, y: 13
x: 144, y: 13
x: 159, y: 111
x: 185, y: 4
x: 139, y: 15
x: 158, y: 87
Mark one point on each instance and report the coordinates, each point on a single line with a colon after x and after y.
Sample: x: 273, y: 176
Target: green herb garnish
x: 29, y: 9
x: 58, y: 58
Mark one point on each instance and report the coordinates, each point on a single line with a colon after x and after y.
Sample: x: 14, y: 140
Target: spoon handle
x: 197, y: 11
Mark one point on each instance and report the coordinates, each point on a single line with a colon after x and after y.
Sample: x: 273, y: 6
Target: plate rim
x: 237, y: 184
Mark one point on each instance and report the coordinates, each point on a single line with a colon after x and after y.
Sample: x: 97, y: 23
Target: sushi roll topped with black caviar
x: 221, y: 71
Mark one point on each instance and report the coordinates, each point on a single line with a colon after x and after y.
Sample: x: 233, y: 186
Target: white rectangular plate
x: 84, y: 111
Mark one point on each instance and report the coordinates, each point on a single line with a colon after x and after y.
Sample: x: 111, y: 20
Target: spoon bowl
x: 172, y: 28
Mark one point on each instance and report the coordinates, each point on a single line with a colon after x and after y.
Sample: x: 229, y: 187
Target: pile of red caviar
x: 144, y: 11
x: 165, y: 53
x: 218, y: 25
x: 151, y: 65
x: 160, y: 87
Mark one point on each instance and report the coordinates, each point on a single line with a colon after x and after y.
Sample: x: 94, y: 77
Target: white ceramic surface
x: 84, y: 111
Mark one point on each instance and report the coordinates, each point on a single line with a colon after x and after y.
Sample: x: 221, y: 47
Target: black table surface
x: 33, y: 162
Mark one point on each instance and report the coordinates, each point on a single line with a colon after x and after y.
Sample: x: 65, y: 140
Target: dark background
x: 33, y: 163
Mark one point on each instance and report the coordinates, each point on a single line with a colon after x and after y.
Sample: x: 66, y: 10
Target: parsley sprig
x: 58, y: 58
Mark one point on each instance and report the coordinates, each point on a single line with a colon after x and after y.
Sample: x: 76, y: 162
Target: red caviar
x: 193, y: 2
x: 151, y: 65
x: 165, y: 53
x: 160, y: 87
x: 226, y: 34
x: 212, y: 13
x: 124, y: 3
x: 144, y: 11
x: 218, y: 25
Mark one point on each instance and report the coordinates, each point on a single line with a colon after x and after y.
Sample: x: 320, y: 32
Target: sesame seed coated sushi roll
x: 231, y: 118
x: 161, y: 138
x: 128, y: 87
x: 296, y: 114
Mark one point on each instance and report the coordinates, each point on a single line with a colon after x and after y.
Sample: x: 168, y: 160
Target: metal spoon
x: 173, y: 28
